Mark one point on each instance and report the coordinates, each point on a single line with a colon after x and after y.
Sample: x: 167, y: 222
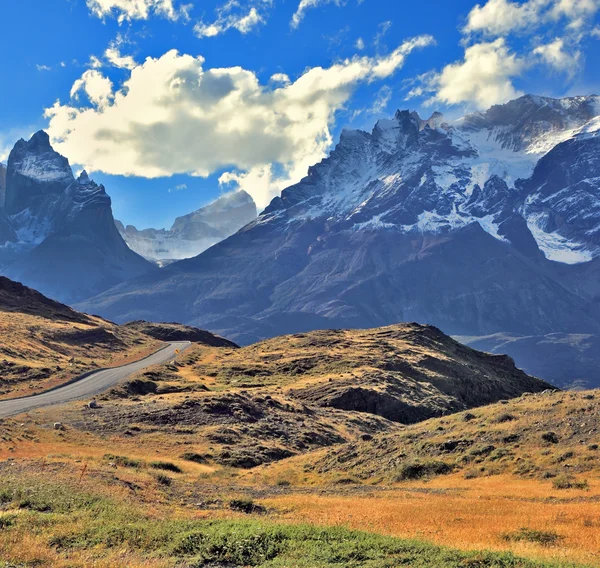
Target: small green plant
x: 505, y: 417
x: 543, y: 538
x: 166, y: 466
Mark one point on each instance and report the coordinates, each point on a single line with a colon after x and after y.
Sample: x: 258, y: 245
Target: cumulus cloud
x: 125, y: 10
x: 172, y: 115
x: 306, y: 5
x: 114, y: 56
x: 556, y: 55
x: 243, y: 22
x: 97, y: 87
x: 482, y: 78
x: 486, y: 74
x: 500, y: 17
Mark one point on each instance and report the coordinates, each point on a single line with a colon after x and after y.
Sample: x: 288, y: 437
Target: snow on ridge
x: 556, y: 247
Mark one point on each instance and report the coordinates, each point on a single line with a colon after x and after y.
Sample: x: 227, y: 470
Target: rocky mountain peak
x: 83, y: 178
x: 36, y: 173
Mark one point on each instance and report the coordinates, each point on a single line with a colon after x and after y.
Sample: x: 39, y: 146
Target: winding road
x: 89, y: 385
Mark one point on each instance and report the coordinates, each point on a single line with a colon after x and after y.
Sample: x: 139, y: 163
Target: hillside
x: 178, y: 332
x: 46, y: 343
x: 242, y: 444
x: 551, y: 436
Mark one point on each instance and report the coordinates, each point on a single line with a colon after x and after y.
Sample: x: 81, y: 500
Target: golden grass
x: 40, y: 353
x: 468, y: 515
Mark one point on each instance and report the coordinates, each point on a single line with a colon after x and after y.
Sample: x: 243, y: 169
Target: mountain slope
x: 456, y: 225
x: 193, y: 233
x: 45, y: 343
x: 61, y: 236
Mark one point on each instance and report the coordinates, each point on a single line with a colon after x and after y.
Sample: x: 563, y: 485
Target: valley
x: 399, y: 433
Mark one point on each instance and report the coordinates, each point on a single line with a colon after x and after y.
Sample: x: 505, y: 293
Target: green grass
x: 72, y: 520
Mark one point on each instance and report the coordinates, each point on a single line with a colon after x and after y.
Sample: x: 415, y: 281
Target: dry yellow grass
x: 469, y: 515
x: 39, y: 353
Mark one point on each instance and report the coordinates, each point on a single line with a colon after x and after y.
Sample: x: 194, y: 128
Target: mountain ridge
x: 364, y: 238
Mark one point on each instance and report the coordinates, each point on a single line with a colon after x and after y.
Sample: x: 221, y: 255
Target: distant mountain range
x: 486, y: 225
x: 193, y: 233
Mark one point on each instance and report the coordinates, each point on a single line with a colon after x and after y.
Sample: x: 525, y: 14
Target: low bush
x: 163, y: 479
x: 194, y: 457
x: 543, y: 538
x: 124, y: 461
x: 166, y: 466
x: 569, y: 482
x: 422, y: 469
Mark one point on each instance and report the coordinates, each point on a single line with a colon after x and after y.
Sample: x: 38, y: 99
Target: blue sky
x: 171, y: 103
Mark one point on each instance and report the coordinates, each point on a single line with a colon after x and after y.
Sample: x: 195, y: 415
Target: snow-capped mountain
x: 485, y: 225
x: 194, y: 233
x: 57, y: 232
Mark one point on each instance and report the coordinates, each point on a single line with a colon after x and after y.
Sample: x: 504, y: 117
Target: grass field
x: 45, y: 524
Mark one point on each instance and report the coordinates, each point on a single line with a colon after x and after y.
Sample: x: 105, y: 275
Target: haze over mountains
x: 193, y: 233
x: 487, y: 227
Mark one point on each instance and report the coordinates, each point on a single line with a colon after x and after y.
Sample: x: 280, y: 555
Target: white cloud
x: 116, y: 59
x: 559, y: 57
x: 360, y: 44
x: 43, y: 68
x: 501, y: 17
x: 382, y: 100
x: 280, y: 78
x: 482, y: 78
x: 486, y: 74
x: 125, y: 10
x: 243, y: 23
x: 307, y: 5
x: 174, y: 116
x: 179, y: 187
x: 96, y: 86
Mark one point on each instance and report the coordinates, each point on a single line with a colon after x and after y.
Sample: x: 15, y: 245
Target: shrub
x: 123, y: 461
x: 194, y: 457
x: 166, y: 466
x: 419, y: 470
x: 163, y: 479
x: 550, y: 437
x: 543, y: 538
x: 246, y: 506
x: 505, y: 417
x: 569, y: 482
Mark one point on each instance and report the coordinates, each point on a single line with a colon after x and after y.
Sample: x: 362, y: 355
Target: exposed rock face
x: 2, y: 184
x: 460, y: 225
x: 194, y: 233
x: 58, y: 232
